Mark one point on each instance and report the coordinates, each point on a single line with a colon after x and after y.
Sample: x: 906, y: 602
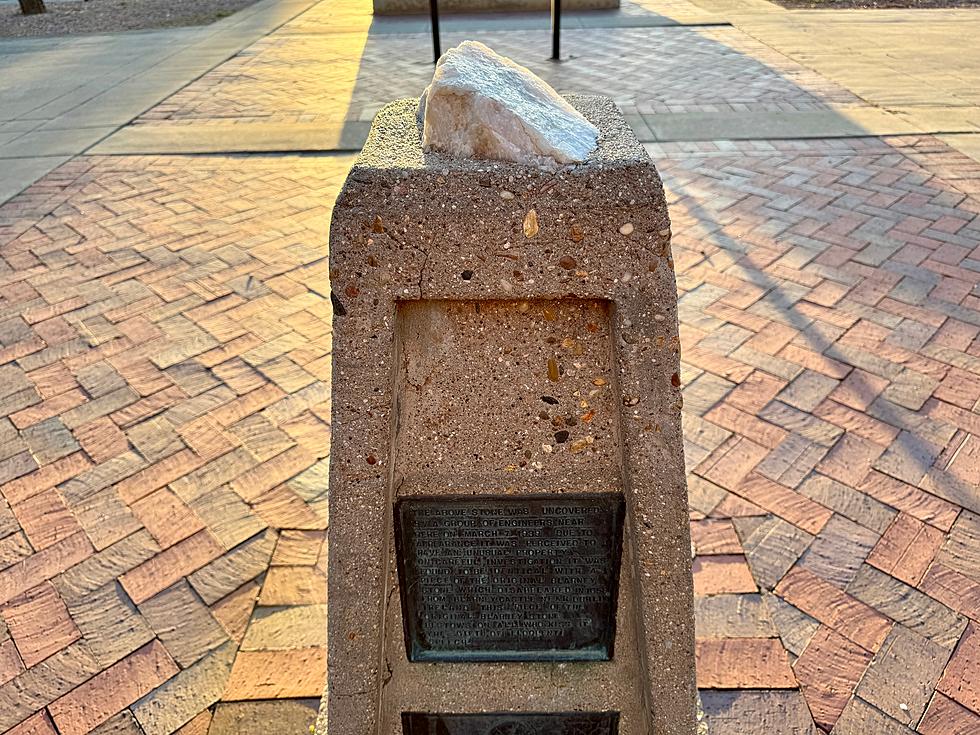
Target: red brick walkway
x: 830, y: 314
x: 165, y: 401
x: 164, y: 407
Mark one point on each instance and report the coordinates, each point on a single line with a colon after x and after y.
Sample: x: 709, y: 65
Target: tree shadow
x: 866, y: 256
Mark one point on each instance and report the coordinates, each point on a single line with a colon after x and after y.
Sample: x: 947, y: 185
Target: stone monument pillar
x: 509, y: 549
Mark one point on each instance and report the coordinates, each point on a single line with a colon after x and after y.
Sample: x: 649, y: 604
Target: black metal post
x: 434, y: 14
x: 555, y: 28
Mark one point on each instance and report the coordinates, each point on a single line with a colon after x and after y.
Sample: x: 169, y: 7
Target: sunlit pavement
x: 59, y: 96
x: 164, y: 379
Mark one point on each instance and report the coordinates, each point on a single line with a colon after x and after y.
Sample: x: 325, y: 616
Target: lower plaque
x: 509, y: 579
x: 567, y: 723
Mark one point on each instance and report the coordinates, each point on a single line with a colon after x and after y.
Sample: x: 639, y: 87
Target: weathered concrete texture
x: 408, y: 7
x: 574, y: 268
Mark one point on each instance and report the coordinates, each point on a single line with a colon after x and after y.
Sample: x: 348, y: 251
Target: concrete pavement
x: 60, y: 96
x: 681, y: 70
x: 895, y: 65
x: 919, y: 66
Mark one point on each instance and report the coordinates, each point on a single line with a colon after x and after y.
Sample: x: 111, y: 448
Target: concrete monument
x: 509, y: 549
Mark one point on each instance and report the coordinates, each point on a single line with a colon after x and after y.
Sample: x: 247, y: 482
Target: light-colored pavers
x: 921, y: 65
x: 235, y: 138
x: 675, y: 78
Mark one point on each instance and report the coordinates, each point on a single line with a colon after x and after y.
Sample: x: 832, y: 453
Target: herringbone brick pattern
x: 164, y: 414
x: 830, y: 310
x: 164, y: 403
x: 165, y: 342
x: 330, y: 78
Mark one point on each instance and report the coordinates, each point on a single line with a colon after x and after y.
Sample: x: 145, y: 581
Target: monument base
x: 509, y: 547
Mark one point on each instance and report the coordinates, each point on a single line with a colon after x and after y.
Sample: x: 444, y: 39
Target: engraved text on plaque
x: 509, y: 579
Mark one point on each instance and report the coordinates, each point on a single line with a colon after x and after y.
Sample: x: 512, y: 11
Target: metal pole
x: 555, y: 28
x: 434, y: 14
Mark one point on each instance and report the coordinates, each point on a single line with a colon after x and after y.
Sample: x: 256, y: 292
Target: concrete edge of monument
x: 466, y: 293
x: 394, y: 146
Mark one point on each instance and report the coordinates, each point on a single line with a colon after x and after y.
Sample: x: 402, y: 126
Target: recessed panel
x: 523, y: 390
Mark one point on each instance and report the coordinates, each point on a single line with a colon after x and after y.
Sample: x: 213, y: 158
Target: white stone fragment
x: 482, y: 105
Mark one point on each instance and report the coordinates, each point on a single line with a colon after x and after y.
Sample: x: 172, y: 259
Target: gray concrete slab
x: 18, y: 126
x: 19, y: 173
x: 234, y: 138
x: 968, y: 144
x: 53, y: 142
x: 73, y: 91
x: 695, y: 126
x: 943, y: 119
x: 254, y: 137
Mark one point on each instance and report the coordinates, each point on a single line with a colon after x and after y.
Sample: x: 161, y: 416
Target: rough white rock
x: 483, y: 105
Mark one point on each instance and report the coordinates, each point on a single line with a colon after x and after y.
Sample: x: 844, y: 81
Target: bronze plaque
x: 509, y: 579
x: 567, y: 723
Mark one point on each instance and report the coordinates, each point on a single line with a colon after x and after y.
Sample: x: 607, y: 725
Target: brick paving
x: 164, y: 405
x: 830, y: 313
x: 165, y: 402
